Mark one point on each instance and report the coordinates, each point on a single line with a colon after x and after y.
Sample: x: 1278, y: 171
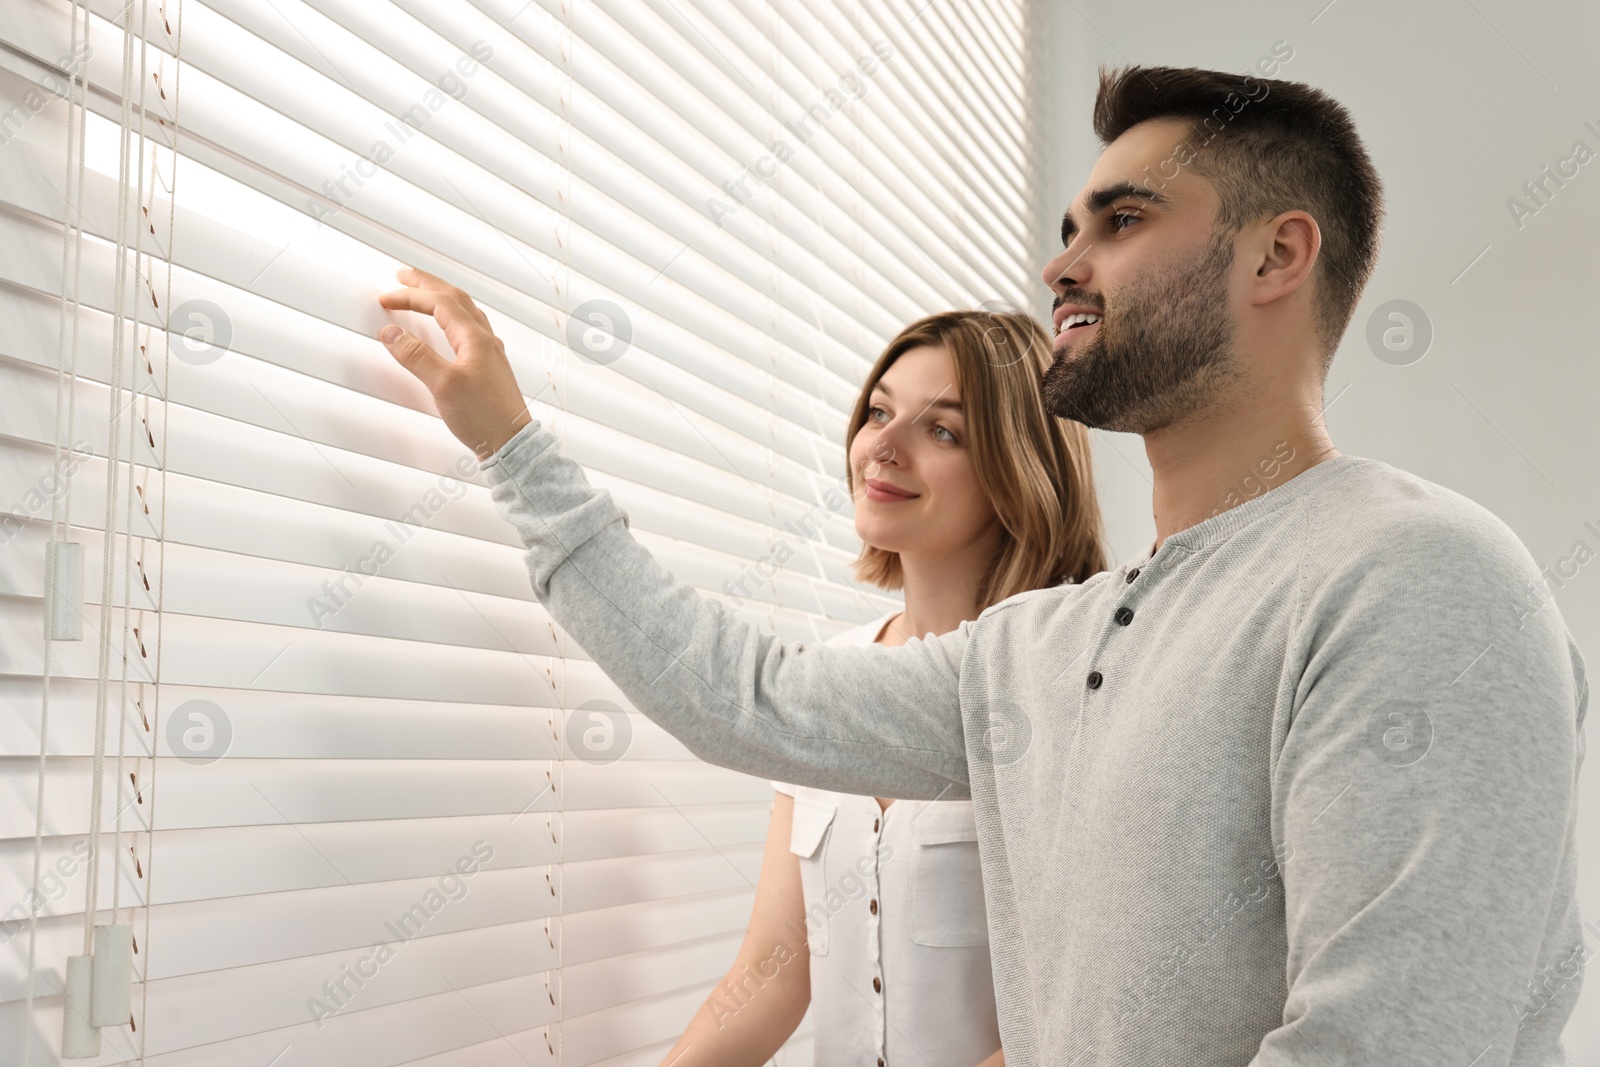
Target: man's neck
x: 1227, y: 457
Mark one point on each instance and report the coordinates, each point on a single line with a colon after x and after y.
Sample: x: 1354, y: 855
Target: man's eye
x: 1122, y: 215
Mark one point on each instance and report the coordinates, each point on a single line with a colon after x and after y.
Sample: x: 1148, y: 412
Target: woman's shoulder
x: 865, y: 634
x: 805, y: 794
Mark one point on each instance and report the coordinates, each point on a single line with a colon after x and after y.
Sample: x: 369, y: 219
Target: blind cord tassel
x: 111, y: 975
x: 79, y: 1039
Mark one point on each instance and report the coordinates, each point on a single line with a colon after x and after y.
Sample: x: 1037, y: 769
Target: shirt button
x: 874, y: 825
x: 1133, y: 574
x: 877, y: 986
x: 1124, y: 615
x: 1094, y: 680
x: 880, y: 1061
x: 873, y: 907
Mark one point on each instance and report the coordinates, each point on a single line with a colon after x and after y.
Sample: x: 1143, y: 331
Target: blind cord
x: 66, y: 410
x: 568, y: 52
x: 113, y: 458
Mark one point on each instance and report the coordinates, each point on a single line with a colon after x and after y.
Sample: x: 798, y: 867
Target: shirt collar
x: 1220, y: 527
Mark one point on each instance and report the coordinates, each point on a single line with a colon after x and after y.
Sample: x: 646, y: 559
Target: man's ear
x: 1287, y: 251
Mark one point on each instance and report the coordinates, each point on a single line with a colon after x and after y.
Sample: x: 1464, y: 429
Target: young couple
x: 1296, y: 784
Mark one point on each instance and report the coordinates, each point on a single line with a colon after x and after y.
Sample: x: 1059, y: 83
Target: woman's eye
x: 949, y: 438
x: 874, y: 411
x: 1122, y: 215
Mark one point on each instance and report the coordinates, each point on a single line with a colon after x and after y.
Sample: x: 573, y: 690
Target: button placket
x: 873, y: 922
x: 875, y: 926
x: 1123, y: 616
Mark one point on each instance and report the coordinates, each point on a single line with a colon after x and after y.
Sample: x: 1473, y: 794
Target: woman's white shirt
x: 900, y: 972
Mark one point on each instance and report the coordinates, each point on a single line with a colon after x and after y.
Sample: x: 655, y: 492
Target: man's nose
x: 1070, y: 268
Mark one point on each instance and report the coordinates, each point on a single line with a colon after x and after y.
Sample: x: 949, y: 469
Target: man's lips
x: 881, y: 490
x: 1063, y: 311
x: 1067, y: 336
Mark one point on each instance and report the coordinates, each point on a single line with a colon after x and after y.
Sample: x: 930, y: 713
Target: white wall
x: 1459, y: 104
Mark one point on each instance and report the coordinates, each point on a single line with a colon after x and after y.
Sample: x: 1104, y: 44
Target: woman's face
x: 916, y: 490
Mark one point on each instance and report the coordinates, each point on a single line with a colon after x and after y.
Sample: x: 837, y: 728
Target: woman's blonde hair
x: 1035, y: 467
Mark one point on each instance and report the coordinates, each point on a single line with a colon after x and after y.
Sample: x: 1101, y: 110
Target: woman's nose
x: 887, y: 445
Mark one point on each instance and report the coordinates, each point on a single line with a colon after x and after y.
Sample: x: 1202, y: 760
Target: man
x: 1295, y: 785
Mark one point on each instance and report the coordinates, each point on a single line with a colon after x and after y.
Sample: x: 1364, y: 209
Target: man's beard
x: 1165, y: 355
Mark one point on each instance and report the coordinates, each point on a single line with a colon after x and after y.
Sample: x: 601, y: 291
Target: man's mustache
x: 1078, y: 296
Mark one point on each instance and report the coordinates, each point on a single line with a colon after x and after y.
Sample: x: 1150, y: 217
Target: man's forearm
x: 861, y: 720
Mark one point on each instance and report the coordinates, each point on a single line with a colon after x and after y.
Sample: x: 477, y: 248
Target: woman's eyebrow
x: 936, y: 402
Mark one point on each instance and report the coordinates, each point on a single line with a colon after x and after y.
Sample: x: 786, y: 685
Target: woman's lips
x: 888, y: 494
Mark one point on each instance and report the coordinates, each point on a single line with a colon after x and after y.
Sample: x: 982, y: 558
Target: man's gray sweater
x: 1298, y: 788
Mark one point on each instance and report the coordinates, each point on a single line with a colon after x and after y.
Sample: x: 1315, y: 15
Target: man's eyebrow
x: 1101, y: 199
x: 936, y: 402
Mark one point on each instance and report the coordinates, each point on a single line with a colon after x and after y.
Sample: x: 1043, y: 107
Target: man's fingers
x: 416, y: 357
x: 458, y: 322
x: 452, y: 311
x: 421, y: 279
x: 424, y: 301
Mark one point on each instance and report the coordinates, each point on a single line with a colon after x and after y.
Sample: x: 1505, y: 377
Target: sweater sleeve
x: 1425, y: 805
x: 868, y: 719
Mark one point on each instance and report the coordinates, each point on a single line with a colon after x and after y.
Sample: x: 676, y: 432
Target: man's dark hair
x: 1267, y: 147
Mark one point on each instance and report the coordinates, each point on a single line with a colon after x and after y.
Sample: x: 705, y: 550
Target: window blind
x: 402, y: 818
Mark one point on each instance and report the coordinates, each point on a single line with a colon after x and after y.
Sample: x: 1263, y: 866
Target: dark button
x: 1124, y: 615
x: 877, y: 986
x: 1094, y: 679
x: 880, y: 1061
x: 873, y: 907
x: 874, y: 825
x: 1133, y: 574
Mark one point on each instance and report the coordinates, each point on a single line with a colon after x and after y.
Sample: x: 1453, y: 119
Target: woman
x: 870, y: 910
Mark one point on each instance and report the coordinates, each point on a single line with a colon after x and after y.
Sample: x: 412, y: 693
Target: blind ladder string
x: 140, y: 221
x: 161, y: 543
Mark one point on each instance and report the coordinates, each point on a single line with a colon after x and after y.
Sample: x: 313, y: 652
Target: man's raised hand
x: 477, y: 395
